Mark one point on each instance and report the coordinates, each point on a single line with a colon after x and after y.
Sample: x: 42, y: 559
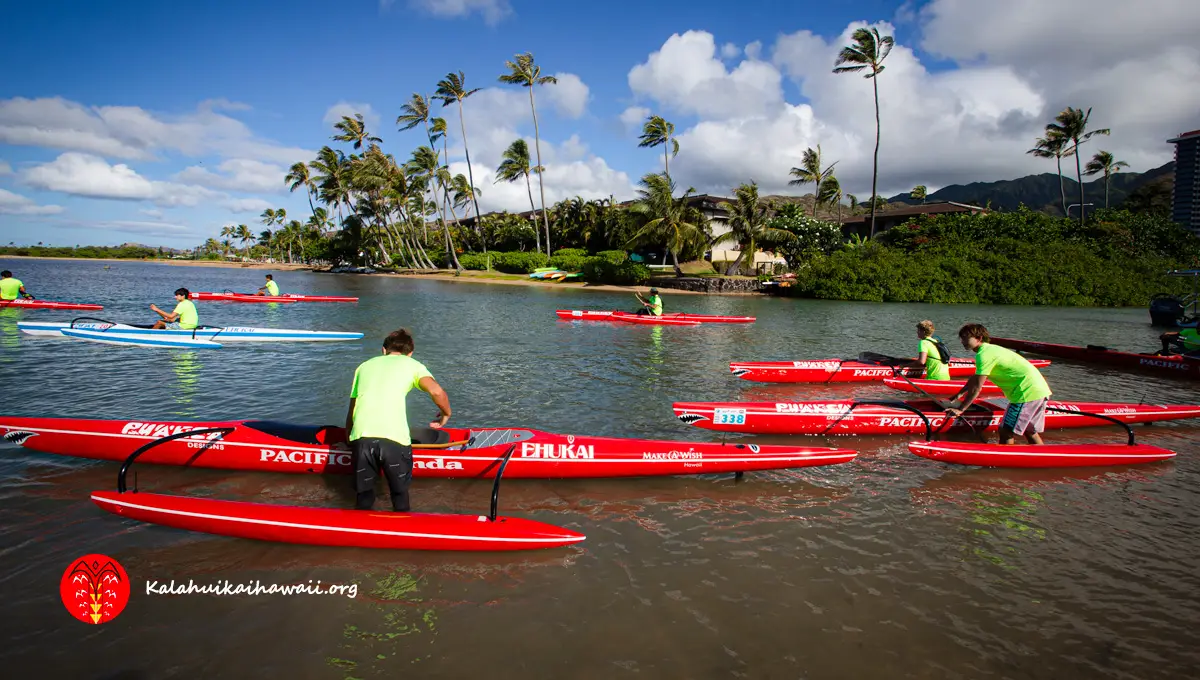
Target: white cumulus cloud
x: 82, y: 174
x: 238, y: 174
x: 16, y: 204
x: 133, y: 133
x: 5, y: 168
x: 335, y: 113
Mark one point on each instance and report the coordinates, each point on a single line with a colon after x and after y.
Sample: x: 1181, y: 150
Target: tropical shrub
x: 569, y: 259
x: 518, y: 262
x: 627, y: 273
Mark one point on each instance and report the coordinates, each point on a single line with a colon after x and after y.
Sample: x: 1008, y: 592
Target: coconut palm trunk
x: 537, y: 145
x: 875, y: 167
x: 537, y: 235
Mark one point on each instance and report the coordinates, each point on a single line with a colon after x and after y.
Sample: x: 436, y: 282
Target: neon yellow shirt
x: 380, y: 387
x: 188, y: 318
x: 655, y: 305
x: 272, y: 288
x: 1017, y: 378
x: 934, y: 368
x: 1190, y: 338
x: 10, y: 288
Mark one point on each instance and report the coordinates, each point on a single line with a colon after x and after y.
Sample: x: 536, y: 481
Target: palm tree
x: 1071, y: 123
x: 450, y: 89
x: 298, y: 176
x: 1104, y: 162
x: 668, y: 218
x: 332, y: 178
x: 868, y: 52
x: 515, y: 166
x: 831, y: 194
x: 810, y: 171
x: 354, y: 130
x: 242, y: 233
x: 523, y: 72
x: 919, y: 192
x: 853, y: 202
x: 658, y: 132
x: 748, y: 226
x: 1056, y: 147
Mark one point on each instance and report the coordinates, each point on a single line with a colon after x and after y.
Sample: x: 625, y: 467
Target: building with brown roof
x: 884, y: 220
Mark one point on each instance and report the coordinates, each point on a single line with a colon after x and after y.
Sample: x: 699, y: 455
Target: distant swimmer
x: 183, y: 317
x: 271, y: 288
x: 11, y: 288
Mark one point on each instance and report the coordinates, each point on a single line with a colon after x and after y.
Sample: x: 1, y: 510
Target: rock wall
x: 709, y: 285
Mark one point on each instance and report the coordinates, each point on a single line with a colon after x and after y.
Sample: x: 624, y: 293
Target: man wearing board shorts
x: 1022, y: 384
x: 377, y: 420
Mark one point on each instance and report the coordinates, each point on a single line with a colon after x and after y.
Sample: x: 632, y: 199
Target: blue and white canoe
x: 210, y: 333
x: 117, y: 338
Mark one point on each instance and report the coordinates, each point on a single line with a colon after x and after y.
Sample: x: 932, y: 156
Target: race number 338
x: 95, y: 588
x: 729, y: 416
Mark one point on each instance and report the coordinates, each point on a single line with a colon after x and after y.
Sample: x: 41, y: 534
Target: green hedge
x: 518, y: 262
x: 599, y: 270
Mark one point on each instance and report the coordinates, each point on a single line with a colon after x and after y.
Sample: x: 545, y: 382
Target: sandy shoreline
x: 443, y: 275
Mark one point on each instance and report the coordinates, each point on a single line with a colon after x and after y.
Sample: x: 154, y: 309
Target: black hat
x: 654, y: 291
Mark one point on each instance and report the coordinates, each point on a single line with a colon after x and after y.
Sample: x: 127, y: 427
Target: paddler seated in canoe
x: 1022, y: 384
x: 653, y: 305
x: 377, y: 420
x: 183, y: 317
x: 11, y: 288
x: 932, y: 353
x: 271, y: 288
x: 1183, y: 341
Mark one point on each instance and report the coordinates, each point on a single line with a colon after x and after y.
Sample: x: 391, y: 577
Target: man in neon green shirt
x: 183, y: 317
x: 377, y: 420
x: 652, y: 306
x: 271, y: 288
x: 928, y: 355
x: 1184, y: 340
x: 11, y: 288
x: 1022, y: 384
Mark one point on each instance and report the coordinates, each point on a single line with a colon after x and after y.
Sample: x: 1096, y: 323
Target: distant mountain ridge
x: 1041, y: 192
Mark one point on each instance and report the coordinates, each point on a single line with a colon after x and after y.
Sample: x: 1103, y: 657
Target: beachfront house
x: 884, y: 220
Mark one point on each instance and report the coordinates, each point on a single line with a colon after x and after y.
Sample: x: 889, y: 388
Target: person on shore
x: 932, y: 354
x: 183, y: 317
x: 10, y: 288
x: 1182, y: 341
x: 271, y: 288
x: 1023, y: 386
x: 377, y: 420
x: 653, y: 305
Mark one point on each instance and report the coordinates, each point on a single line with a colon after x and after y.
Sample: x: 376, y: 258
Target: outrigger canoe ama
x: 282, y: 447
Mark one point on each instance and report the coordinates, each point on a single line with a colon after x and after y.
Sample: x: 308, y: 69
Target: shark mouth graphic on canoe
x: 18, y: 437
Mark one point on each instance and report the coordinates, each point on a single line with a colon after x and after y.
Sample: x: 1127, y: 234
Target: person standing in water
x: 1023, y: 386
x: 377, y: 420
x: 932, y: 354
x: 183, y: 317
x: 271, y: 288
x: 10, y: 288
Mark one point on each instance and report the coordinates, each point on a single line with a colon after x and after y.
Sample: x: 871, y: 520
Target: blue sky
x: 213, y: 97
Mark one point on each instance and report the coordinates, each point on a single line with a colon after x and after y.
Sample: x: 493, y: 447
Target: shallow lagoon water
x: 889, y: 567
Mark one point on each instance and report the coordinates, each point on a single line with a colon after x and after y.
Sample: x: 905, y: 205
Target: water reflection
x: 186, y: 366
x: 9, y: 334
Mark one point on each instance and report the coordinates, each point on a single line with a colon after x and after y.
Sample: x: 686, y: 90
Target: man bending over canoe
x: 1022, y: 384
x: 929, y: 355
x: 377, y: 420
x: 10, y: 288
x: 271, y: 288
x: 183, y: 317
x: 653, y: 305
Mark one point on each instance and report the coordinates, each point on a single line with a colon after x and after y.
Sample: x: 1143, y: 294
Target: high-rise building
x: 1185, y: 204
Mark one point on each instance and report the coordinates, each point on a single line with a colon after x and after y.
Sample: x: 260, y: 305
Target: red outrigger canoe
x: 939, y: 388
x: 336, y: 527
x: 281, y: 447
x: 840, y: 370
x: 46, y: 304
x: 1042, y: 456
x: 229, y: 296
x: 617, y: 315
x: 1174, y: 365
x: 851, y: 416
